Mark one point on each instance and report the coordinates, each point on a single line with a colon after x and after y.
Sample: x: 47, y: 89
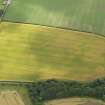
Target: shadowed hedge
x: 55, y: 89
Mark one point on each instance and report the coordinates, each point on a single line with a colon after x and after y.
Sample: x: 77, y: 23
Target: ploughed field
x: 10, y: 98
x: 75, y: 101
x: 32, y: 52
x: 83, y: 15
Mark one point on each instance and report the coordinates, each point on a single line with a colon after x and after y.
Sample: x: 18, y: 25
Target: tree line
x: 55, y: 89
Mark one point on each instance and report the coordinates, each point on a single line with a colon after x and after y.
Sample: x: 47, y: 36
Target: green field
x: 75, y: 101
x: 1, y: 1
x: 83, y: 15
x: 31, y: 52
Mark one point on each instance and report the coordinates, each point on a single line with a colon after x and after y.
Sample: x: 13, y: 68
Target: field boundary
x: 16, y: 82
x: 62, y: 28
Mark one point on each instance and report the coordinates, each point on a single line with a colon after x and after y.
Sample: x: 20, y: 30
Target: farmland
x: 10, y: 98
x: 83, y: 15
x: 52, y: 49
x: 13, y: 91
x: 30, y: 53
x: 75, y: 101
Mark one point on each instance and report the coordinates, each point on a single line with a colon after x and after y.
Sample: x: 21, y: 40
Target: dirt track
x: 75, y: 101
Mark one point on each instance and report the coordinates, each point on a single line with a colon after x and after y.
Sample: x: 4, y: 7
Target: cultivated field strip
x: 75, y: 101
x: 82, y: 15
x: 10, y: 98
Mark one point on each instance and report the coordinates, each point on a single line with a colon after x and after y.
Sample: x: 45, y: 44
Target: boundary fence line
x: 16, y: 82
x: 98, y: 35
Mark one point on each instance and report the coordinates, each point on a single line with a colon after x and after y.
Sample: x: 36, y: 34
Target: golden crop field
x: 32, y: 52
x: 10, y: 98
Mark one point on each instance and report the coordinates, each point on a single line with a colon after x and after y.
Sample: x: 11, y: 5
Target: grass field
x: 10, y: 98
x: 83, y: 15
x: 75, y: 101
x: 29, y: 53
x: 1, y: 1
